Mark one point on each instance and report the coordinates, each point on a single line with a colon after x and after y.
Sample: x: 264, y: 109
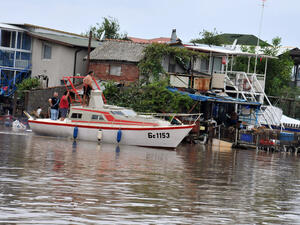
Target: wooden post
x: 192, y: 75
x: 15, y: 104
x: 89, y: 51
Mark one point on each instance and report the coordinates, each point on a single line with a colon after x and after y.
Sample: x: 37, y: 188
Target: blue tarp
x: 203, y: 98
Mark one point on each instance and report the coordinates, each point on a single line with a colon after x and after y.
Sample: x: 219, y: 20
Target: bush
x: 154, y: 97
x: 27, y: 84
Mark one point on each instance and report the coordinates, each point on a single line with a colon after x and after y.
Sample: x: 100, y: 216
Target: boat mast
x: 259, y: 33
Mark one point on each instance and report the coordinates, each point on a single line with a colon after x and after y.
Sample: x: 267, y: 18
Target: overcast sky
x: 156, y: 18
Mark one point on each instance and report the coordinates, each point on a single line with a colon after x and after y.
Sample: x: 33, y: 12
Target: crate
x: 246, y: 138
x: 285, y: 136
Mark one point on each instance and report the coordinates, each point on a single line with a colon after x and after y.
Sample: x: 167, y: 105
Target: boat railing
x: 176, y: 116
x: 70, y: 86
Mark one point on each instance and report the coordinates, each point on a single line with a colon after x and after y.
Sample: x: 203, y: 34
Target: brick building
x: 117, y: 60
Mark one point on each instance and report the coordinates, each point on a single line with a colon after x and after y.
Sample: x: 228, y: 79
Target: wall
x: 129, y: 71
x: 61, y: 62
x: 40, y: 97
x: 167, y: 61
x: 80, y: 62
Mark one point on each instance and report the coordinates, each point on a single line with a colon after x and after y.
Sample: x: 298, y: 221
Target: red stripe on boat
x: 112, y: 128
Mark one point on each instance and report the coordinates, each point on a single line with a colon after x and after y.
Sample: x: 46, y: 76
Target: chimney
x: 173, y: 36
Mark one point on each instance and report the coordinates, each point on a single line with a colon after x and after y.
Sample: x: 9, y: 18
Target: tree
x: 151, y: 64
x: 110, y: 27
x: 153, y: 97
x: 278, y: 75
x: 209, y: 38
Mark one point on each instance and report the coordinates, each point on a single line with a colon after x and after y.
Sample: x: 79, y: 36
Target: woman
x: 64, y: 105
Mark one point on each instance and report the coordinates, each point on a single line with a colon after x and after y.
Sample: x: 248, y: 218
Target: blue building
x: 15, y: 57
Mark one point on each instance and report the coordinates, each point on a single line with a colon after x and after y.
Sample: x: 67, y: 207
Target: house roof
x: 117, y: 50
x: 242, y: 39
x: 222, y: 51
x: 56, y: 36
x: 66, y: 40
x: 149, y: 41
x: 37, y: 28
x: 10, y: 27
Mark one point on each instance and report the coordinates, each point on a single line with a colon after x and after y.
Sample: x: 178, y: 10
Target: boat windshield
x: 129, y: 112
x: 124, y: 112
x: 117, y: 112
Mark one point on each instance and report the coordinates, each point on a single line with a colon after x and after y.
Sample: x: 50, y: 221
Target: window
x: 46, y: 52
x: 76, y: 115
x: 97, y: 117
x: 172, y: 68
x: 204, y: 65
x: 7, y: 58
x: 129, y: 112
x: 115, y: 70
x: 24, y: 41
x: 7, y: 38
x: 23, y: 59
x: 120, y: 113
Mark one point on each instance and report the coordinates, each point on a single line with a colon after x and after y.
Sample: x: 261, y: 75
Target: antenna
x: 102, y: 36
x: 259, y: 32
x: 234, y: 44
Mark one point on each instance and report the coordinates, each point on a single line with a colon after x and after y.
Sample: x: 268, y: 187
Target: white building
x: 30, y: 50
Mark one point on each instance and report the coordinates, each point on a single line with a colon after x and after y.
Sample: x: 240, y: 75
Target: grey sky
x: 156, y: 18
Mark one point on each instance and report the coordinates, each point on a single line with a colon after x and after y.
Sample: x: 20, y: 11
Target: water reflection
x: 65, y: 182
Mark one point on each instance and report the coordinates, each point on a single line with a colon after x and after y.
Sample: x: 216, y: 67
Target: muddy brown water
x: 55, y: 181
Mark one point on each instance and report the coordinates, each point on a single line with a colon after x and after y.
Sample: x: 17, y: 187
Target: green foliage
x: 151, y: 64
x: 279, y: 75
x: 110, y: 27
x: 27, y: 84
x: 154, y: 97
x: 209, y: 38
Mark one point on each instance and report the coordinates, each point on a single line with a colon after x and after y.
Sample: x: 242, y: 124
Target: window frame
x: 79, y: 115
x: 98, y: 117
x: 115, y: 66
x: 43, y: 51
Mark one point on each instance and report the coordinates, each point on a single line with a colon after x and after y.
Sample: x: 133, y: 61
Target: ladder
x: 251, y: 90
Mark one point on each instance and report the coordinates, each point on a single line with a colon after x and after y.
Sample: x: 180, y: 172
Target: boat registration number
x: 159, y: 135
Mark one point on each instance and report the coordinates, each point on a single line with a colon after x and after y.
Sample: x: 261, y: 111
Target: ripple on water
x: 49, y: 181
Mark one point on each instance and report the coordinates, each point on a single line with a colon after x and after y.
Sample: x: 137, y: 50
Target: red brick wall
x: 129, y: 71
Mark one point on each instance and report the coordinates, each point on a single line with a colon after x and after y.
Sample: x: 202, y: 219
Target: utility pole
x: 89, y: 51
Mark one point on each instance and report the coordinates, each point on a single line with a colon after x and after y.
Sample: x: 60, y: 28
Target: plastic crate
x: 285, y: 136
x: 247, y: 138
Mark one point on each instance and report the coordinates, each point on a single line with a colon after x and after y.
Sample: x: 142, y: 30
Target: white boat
x: 113, y: 124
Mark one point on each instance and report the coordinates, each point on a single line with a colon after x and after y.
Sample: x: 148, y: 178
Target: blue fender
x: 119, y: 136
x: 75, y: 132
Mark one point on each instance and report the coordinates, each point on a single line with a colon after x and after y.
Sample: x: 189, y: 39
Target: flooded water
x: 55, y: 181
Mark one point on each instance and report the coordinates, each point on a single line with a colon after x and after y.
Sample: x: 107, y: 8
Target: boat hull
x: 165, y: 136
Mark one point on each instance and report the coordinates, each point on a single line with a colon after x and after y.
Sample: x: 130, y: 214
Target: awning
x: 221, y: 99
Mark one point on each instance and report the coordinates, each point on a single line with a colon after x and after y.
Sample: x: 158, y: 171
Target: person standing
x: 54, y: 104
x: 87, y: 87
x: 64, y: 105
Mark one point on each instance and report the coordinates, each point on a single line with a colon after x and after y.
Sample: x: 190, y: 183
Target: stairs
x: 250, y: 87
x: 8, y: 86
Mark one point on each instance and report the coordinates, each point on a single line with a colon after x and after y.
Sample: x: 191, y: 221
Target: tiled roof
x: 149, y: 41
x: 125, y: 51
